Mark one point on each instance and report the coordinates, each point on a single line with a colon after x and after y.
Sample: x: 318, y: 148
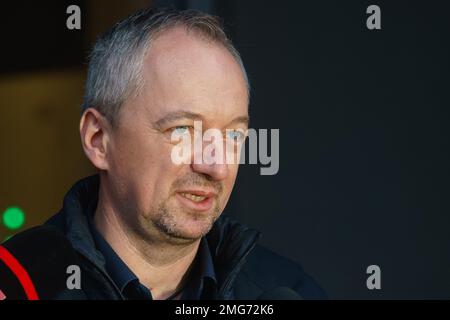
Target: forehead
x: 187, y: 72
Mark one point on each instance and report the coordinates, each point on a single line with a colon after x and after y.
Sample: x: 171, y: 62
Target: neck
x: 160, y: 266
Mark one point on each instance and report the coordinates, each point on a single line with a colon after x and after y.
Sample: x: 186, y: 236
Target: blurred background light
x: 13, y: 218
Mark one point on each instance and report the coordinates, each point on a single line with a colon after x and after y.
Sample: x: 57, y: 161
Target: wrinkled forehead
x: 183, y: 70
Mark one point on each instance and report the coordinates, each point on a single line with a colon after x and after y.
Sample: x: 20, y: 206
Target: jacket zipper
x: 228, y: 281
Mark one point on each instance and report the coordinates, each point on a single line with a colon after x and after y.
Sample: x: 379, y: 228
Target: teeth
x: 193, y: 197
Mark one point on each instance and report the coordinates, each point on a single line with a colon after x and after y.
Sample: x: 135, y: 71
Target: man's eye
x: 181, y: 129
x: 235, y: 135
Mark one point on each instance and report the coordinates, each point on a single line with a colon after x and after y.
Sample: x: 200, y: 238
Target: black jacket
x: 244, y: 269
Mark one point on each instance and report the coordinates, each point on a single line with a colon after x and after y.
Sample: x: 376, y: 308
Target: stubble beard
x: 170, y: 223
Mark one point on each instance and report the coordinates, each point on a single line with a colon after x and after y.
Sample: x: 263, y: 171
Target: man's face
x: 187, y: 79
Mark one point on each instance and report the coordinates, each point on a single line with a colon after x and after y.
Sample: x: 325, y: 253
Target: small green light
x: 13, y: 218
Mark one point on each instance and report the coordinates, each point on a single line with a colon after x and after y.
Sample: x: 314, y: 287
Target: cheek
x: 140, y: 155
x: 228, y: 184
x: 154, y: 173
x: 142, y: 166
x: 233, y: 171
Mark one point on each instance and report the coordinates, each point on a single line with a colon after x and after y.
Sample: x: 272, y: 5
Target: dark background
x: 363, y: 118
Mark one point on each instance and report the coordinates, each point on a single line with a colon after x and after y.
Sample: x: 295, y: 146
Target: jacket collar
x: 229, y: 241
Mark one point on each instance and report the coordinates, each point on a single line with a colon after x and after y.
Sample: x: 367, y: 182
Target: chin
x: 181, y: 224
x: 192, y: 228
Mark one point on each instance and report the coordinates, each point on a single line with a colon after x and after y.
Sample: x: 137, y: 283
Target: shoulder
x: 265, y: 270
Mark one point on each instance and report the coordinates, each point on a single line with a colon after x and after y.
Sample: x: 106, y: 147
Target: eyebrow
x: 177, y: 115
x: 242, y: 119
x: 182, y: 115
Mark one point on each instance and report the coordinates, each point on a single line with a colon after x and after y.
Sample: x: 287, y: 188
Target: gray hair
x: 115, y: 67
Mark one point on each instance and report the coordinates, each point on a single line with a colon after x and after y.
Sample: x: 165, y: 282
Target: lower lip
x: 203, y: 205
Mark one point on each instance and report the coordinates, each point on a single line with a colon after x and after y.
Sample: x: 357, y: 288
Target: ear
x: 94, y: 132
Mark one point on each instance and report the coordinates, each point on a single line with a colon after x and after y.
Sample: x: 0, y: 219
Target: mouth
x: 193, y: 197
x: 196, y: 200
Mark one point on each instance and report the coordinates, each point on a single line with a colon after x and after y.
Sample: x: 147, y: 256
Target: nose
x: 213, y: 164
x: 216, y: 171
